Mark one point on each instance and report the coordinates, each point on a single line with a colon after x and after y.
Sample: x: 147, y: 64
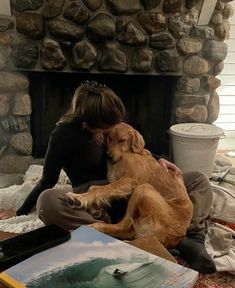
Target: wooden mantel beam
x: 5, y: 7
x: 207, y: 9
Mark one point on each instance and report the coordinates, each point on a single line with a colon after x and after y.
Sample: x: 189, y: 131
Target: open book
x: 91, y: 259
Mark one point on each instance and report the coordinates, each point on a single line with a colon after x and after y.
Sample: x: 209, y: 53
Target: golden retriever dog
x: 158, y: 203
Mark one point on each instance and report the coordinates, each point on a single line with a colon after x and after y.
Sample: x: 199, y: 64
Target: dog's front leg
x: 83, y: 200
x: 102, y: 195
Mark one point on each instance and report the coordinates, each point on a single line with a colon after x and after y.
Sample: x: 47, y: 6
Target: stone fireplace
x: 150, y: 51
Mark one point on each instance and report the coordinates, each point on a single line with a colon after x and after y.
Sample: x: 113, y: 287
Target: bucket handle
x: 201, y: 127
x: 196, y: 126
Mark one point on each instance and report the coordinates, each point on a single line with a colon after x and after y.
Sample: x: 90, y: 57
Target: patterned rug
x: 216, y: 280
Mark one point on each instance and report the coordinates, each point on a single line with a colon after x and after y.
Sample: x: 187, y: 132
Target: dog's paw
x: 78, y: 200
x: 99, y: 226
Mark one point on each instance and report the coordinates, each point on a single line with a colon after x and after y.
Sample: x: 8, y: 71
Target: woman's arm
x: 51, y: 170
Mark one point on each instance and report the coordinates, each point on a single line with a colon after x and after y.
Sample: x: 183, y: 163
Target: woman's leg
x: 200, y: 192
x: 192, y: 248
x: 53, y: 208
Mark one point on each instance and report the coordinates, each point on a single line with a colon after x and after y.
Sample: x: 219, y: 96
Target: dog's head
x: 122, y: 138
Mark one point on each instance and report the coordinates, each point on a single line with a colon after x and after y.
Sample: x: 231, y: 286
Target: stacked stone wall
x: 150, y: 37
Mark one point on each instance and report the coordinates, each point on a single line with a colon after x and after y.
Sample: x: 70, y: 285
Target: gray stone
x: 173, y: 6
x: 152, y: 22
x: 219, y: 5
x: 22, y: 142
x: 13, y: 82
x: 193, y: 17
x: 6, y: 38
x: 195, y: 66
x: 123, y: 7
x: 4, y: 104
x: 189, y: 46
x: 84, y: 56
x: 178, y: 27
x: 188, y: 85
x: 132, y: 35
x: 5, y: 53
x: 3, y: 144
x: 22, y: 5
x: 203, y: 32
x: 15, y: 124
x: 213, y: 108
x: 121, y: 23
x: 6, y: 24
x: 30, y: 24
x: 76, y: 12
x: 22, y: 104
x: 65, y: 30
x: 14, y: 164
x: 215, y: 50
x: 7, y: 180
x: 218, y: 68
x: 101, y: 28
x: 52, y: 8
x: 228, y: 11
x: 196, y: 113
x: 113, y: 58
x: 142, y: 60
x: 222, y: 30
x: 93, y: 5
x: 52, y: 57
x: 24, y: 52
x: 216, y: 18
x: 168, y: 61
x: 192, y: 99
x: 151, y: 4
x: 210, y: 83
x: 190, y: 3
x: 162, y: 41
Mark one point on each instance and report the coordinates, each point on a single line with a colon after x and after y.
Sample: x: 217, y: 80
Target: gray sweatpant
x: 53, y: 208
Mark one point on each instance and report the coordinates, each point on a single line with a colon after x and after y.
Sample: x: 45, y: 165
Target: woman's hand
x: 7, y: 213
x: 169, y: 165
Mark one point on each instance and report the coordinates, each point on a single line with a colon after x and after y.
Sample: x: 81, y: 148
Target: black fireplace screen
x: 148, y: 101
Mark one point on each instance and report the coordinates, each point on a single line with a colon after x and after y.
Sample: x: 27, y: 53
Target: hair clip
x: 92, y: 86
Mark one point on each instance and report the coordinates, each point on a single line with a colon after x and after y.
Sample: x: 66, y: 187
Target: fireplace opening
x: 148, y: 101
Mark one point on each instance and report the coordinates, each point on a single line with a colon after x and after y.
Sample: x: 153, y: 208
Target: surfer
x: 118, y: 273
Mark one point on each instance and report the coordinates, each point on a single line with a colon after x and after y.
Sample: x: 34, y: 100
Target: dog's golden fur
x: 158, y: 204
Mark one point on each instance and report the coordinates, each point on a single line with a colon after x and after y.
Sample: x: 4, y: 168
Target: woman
x: 76, y: 145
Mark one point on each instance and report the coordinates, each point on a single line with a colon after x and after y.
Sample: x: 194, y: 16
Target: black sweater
x: 75, y: 150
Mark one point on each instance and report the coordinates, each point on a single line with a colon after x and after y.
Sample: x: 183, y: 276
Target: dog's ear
x: 137, y: 142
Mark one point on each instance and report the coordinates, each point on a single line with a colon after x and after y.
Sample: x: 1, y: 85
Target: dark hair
x: 95, y: 104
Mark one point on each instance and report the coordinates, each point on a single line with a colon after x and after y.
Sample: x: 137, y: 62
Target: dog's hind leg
x: 122, y: 230
x: 125, y: 229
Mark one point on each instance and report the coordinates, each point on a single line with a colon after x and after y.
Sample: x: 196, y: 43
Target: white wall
x: 226, y: 91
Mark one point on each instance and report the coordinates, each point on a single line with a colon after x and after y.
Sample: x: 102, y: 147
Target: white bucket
x: 194, y: 146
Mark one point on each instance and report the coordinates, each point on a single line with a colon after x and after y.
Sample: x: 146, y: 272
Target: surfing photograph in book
x: 91, y: 259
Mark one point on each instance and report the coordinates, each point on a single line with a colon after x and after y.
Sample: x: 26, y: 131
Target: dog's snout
x: 109, y: 155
